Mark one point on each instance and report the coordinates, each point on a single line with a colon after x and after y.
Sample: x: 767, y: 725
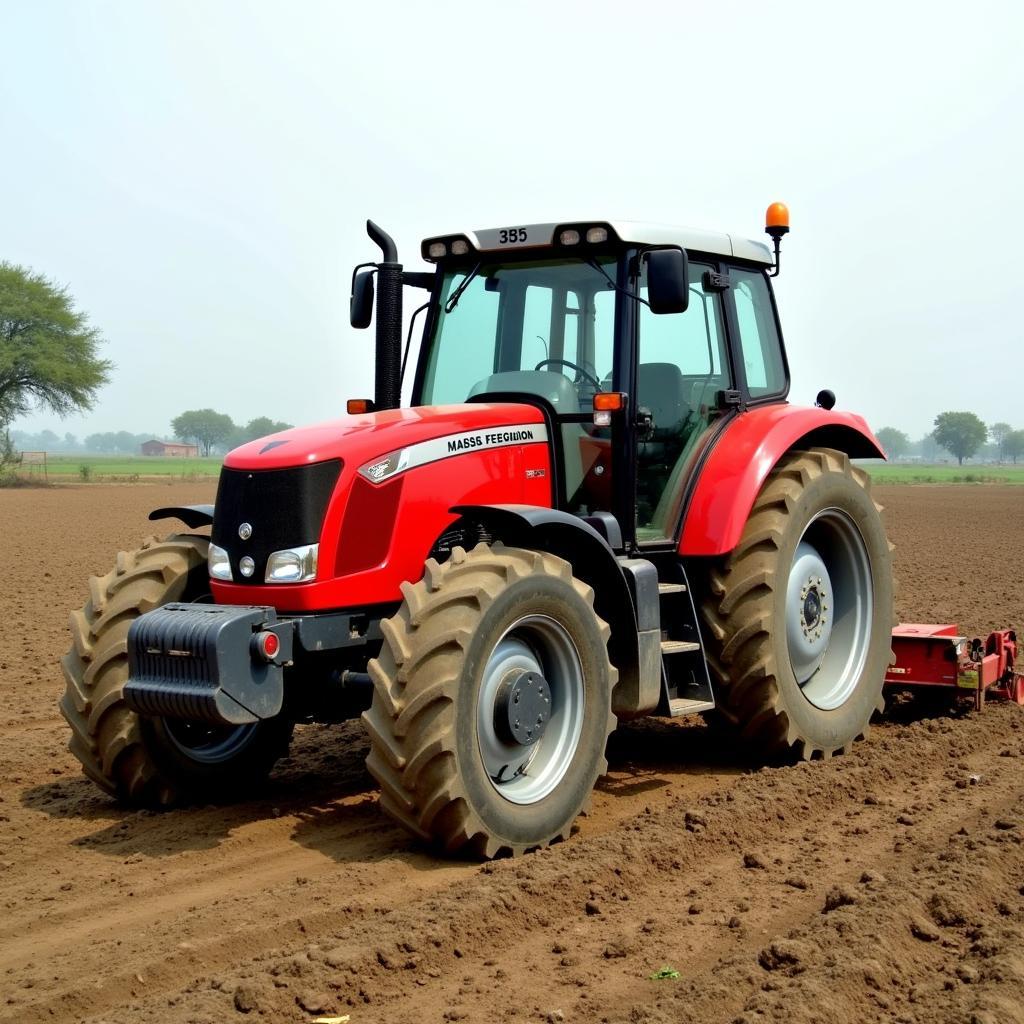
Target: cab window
x: 759, y: 336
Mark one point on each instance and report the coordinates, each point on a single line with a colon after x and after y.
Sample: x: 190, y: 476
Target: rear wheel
x: 492, y: 702
x: 152, y: 761
x: 798, y: 617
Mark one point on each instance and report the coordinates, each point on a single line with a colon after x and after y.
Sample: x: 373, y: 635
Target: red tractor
x: 598, y: 506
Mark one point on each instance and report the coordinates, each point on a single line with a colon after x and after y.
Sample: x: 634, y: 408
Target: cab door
x: 682, y: 371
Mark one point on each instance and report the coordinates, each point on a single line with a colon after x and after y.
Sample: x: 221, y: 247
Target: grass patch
x: 896, y: 473
x: 11, y: 480
x: 128, y: 468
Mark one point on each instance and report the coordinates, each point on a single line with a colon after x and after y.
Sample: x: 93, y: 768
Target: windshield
x: 544, y: 327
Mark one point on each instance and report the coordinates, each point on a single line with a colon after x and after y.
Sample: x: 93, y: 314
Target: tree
x: 100, y: 442
x: 48, y: 351
x: 961, y: 432
x: 6, y: 449
x: 204, y: 427
x: 254, y: 429
x: 261, y: 427
x: 999, y: 432
x: 1014, y: 444
x: 125, y: 443
x: 894, y: 441
x: 119, y: 442
x: 929, y: 449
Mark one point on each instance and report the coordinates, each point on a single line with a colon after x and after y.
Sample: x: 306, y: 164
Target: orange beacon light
x: 776, y: 224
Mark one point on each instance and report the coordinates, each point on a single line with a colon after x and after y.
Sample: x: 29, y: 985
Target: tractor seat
x: 662, y: 390
x: 553, y: 386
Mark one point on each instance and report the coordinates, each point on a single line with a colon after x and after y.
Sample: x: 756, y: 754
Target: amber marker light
x: 776, y: 224
x: 358, y: 406
x: 605, y: 403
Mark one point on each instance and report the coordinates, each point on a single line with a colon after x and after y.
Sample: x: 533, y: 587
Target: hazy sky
x: 199, y: 174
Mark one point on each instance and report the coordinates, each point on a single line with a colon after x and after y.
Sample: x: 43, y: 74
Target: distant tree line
x: 216, y: 431
x: 957, y: 435
x: 211, y: 431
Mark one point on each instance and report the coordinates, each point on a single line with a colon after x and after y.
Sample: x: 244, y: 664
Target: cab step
x: 680, y: 706
x: 678, y: 647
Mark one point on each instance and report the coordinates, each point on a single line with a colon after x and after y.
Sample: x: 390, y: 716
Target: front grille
x: 284, y: 507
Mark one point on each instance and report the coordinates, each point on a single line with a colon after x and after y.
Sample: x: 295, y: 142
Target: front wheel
x: 798, y: 617
x: 492, y: 702
x: 152, y: 761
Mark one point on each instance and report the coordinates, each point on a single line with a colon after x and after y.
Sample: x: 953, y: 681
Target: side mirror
x: 668, y: 280
x: 360, y: 305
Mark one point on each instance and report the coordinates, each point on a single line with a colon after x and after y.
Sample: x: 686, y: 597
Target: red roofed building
x: 190, y: 451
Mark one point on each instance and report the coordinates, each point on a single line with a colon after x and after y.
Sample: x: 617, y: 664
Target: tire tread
x: 415, y: 683
x: 736, y: 611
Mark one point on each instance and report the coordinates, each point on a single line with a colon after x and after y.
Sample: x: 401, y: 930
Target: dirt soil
x: 886, y: 885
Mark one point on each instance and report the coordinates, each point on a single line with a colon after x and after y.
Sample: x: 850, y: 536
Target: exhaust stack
x: 388, y: 367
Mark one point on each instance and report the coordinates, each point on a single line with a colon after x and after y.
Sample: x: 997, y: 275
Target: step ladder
x: 684, y: 671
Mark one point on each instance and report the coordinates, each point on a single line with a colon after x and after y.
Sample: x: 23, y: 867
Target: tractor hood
x: 359, y: 440
x: 374, y: 493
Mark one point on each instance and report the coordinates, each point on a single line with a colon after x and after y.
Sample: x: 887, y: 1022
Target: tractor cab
x: 674, y: 329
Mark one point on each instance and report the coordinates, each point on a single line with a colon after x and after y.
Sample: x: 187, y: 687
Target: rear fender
x: 592, y: 559
x: 745, y: 455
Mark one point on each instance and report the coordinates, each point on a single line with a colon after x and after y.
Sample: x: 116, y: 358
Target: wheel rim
x: 206, y: 743
x: 829, y: 609
x: 525, y: 769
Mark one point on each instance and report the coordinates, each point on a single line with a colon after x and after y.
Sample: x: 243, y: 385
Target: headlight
x: 218, y: 562
x: 293, y: 565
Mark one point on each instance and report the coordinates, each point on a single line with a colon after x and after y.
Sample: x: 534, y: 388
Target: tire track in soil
x: 264, y: 872
x: 515, y: 939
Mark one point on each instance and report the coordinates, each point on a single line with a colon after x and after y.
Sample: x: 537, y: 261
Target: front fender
x: 593, y: 561
x: 746, y: 453
x: 193, y: 516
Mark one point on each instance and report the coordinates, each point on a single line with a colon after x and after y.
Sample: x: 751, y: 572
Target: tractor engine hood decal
x: 451, y: 445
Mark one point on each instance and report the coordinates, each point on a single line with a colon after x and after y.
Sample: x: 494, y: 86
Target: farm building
x: 170, y: 448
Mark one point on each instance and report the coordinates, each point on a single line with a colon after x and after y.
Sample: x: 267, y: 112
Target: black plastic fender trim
x: 193, y: 516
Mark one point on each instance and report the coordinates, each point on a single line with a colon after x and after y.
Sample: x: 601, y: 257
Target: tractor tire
x: 798, y: 618
x: 482, y: 647
x: 152, y: 762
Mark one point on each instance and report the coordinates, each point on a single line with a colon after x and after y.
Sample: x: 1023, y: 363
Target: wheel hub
x: 529, y: 713
x: 809, y: 619
x: 829, y: 609
x: 522, y: 707
x: 812, y: 608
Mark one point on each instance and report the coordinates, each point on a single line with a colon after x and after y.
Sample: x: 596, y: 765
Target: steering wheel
x: 586, y: 374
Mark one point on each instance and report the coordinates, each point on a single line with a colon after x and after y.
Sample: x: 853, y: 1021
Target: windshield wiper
x: 453, y: 299
x: 611, y: 284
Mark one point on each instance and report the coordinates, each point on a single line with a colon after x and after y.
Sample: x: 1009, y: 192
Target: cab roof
x: 531, y: 236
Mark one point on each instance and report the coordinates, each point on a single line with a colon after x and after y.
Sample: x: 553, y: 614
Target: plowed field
x: 886, y: 885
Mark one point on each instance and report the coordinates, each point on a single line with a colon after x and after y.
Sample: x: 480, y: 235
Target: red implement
x: 928, y: 655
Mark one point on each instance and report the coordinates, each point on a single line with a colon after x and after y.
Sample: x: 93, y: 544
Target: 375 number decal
x: 509, y: 236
